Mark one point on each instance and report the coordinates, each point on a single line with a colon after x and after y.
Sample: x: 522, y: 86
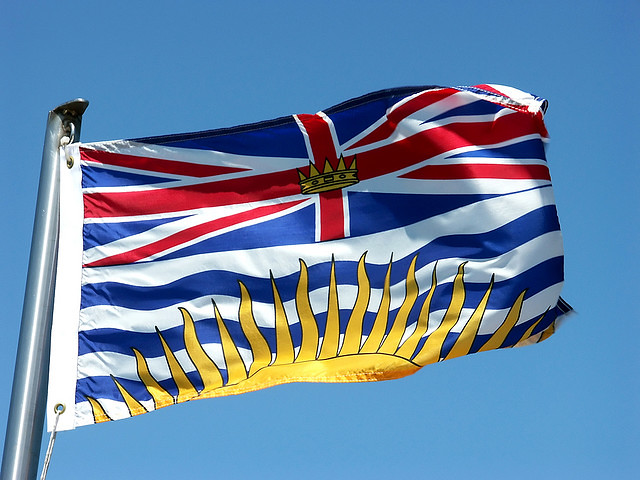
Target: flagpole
x: 28, y: 394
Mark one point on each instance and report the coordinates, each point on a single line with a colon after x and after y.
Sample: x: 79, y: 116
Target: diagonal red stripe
x: 188, y: 234
x: 435, y: 141
x: 421, y: 101
x: 252, y: 188
x: 156, y: 165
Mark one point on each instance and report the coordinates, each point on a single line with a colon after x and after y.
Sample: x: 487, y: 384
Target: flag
x: 398, y: 229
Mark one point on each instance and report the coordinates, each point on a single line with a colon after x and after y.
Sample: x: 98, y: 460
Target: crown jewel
x: 330, y: 179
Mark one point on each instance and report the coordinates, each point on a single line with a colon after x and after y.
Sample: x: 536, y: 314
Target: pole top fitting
x: 72, y: 108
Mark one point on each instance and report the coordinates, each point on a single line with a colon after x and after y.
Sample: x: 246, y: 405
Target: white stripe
x: 318, y: 222
x: 175, y: 154
x: 334, y: 135
x: 305, y: 136
x: 117, y: 411
x: 135, y: 171
x: 346, y: 213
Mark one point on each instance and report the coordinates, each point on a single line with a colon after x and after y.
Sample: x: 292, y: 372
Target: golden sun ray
x: 329, y: 348
x: 467, y: 336
x: 372, y: 343
x: 530, y: 330
x: 432, y: 349
x: 236, y: 371
x: 99, y: 415
x: 390, y: 344
x: 160, y: 396
x: 209, y: 373
x: 259, y: 345
x: 406, y: 348
x: 500, y: 335
x: 134, y: 406
x: 353, y: 334
x: 309, y: 347
x: 186, y: 390
x: 284, y: 344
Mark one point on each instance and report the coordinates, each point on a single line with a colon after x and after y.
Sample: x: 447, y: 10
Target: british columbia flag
x: 359, y: 243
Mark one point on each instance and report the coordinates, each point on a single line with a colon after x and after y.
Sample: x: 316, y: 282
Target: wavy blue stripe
x: 528, y: 149
x: 104, y: 387
x: 220, y: 282
x: 503, y: 295
x: 93, y: 176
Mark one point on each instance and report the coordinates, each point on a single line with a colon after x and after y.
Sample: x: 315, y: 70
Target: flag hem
x: 66, y: 309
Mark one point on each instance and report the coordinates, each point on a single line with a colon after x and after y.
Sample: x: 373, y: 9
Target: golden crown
x: 329, y: 179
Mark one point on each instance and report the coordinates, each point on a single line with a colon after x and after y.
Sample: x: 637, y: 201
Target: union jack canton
x: 398, y: 229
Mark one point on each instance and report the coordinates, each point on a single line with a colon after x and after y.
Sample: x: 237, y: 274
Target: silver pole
x: 28, y: 395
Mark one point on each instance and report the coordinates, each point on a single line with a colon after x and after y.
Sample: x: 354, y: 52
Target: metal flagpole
x: 28, y: 395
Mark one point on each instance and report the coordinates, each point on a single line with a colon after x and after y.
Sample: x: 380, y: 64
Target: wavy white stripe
x: 476, y: 218
x: 504, y: 266
x: 103, y: 363
x: 117, y: 411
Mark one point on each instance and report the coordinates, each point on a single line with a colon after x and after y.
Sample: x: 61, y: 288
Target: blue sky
x: 567, y: 408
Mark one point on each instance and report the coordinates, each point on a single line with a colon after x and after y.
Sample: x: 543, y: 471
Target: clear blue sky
x: 567, y: 408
